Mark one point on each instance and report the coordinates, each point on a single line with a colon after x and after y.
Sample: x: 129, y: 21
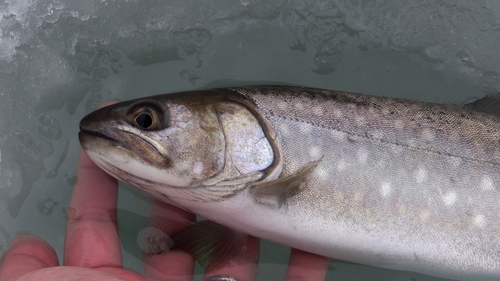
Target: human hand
x: 92, y: 248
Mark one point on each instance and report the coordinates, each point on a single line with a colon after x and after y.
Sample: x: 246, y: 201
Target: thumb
x: 25, y: 254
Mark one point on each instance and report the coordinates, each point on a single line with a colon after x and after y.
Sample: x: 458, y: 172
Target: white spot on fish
x: 470, y: 200
x: 339, y: 196
x: 338, y: 135
x: 293, y: 165
x: 424, y: 214
x: 315, y: 152
x: 305, y: 128
x: 198, y: 167
x: 480, y: 221
x: 285, y: 129
x: 396, y: 149
x: 420, y: 175
x: 455, y: 161
x: 398, y: 124
x: 385, y: 189
x: 402, y: 209
x: 487, y: 183
x: 360, y: 120
x: 381, y: 164
x: 322, y: 173
x: 450, y: 198
x: 377, y: 134
x: 342, y: 165
x: 318, y: 110
x: 362, y: 155
x: 428, y: 134
x: 282, y: 105
x: 299, y: 106
x: 337, y: 113
x: 358, y: 196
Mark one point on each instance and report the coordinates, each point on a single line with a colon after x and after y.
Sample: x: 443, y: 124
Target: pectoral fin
x: 210, y: 243
x: 276, y: 192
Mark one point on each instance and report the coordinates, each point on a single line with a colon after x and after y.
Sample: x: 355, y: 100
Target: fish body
x: 385, y: 182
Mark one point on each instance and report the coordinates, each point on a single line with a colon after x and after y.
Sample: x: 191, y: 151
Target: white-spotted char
x: 380, y: 181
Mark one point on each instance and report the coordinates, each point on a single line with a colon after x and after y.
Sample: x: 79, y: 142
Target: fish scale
x: 474, y: 134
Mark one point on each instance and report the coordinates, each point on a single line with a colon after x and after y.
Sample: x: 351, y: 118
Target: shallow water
x: 60, y: 59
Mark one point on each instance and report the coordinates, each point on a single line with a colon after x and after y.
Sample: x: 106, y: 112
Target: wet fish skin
x: 385, y: 182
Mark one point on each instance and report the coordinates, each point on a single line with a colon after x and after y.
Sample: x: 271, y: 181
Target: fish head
x: 170, y: 140
x: 180, y: 142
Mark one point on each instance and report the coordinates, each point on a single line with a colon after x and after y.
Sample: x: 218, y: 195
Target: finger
x: 25, y: 254
x: 306, y: 266
x: 123, y: 274
x: 174, y: 265
x: 242, y: 267
x: 91, y: 230
x: 65, y: 273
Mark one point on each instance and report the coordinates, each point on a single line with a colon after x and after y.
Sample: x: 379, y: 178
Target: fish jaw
x: 114, y: 157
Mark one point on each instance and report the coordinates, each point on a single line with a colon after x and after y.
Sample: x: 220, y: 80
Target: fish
x: 380, y: 181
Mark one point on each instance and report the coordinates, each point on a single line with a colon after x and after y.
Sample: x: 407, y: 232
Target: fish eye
x: 147, y: 118
x: 144, y: 120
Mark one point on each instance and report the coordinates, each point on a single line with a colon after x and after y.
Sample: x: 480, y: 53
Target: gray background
x: 60, y: 59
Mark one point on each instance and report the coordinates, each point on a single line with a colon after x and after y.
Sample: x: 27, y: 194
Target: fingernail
x: 22, y: 237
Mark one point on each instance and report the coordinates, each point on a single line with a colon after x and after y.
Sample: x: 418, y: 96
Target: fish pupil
x: 144, y: 120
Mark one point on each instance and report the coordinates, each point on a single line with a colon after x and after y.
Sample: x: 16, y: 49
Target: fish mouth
x: 136, y: 146
x: 97, y: 134
x: 86, y: 134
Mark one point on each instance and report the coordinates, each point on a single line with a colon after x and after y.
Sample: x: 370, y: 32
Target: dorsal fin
x: 489, y: 104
